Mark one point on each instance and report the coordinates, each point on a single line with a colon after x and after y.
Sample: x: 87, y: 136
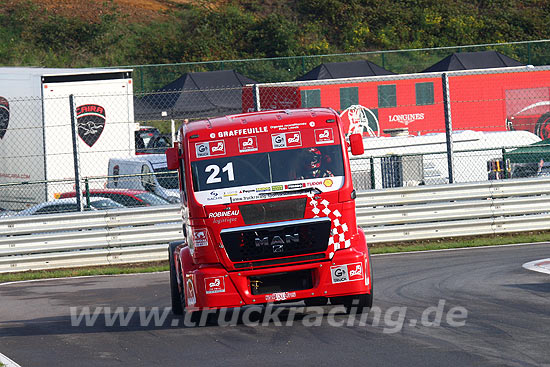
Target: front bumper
x: 347, y: 273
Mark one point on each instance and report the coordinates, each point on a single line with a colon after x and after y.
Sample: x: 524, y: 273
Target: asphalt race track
x: 475, y: 307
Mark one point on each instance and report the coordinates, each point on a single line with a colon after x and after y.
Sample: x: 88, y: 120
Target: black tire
x: 176, y: 295
x: 358, y: 304
x: 542, y: 128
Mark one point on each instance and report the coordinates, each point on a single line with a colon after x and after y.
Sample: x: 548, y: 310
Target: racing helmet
x: 314, y: 158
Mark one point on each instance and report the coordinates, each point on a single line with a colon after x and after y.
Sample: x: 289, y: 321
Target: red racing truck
x: 269, y: 213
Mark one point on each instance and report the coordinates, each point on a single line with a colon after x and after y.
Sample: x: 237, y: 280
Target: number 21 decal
x: 214, y: 171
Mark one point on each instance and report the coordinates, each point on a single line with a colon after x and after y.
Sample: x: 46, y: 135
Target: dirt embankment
x: 138, y: 10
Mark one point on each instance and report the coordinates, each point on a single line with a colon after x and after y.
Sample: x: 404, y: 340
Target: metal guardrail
x: 389, y: 215
x: 90, y: 238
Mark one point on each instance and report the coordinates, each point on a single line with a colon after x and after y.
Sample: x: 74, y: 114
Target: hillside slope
x: 75, y: 33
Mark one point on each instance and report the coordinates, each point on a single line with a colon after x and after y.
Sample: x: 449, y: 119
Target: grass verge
x: 383, y: 248
x: 463, y: 242
x: 86, y: 271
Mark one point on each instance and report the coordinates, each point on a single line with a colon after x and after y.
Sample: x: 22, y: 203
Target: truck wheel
x: 360, y: 303
x: 542, y: 128
x: 177, y: 298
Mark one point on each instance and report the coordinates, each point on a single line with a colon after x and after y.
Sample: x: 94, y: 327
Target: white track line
x: 542, y: 266
x: 7, y: 362
x: 461, y: 249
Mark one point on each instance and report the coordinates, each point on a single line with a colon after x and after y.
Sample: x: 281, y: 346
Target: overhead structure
x: 348, y: 69
x: 194, y: 95
x: 473, y: 60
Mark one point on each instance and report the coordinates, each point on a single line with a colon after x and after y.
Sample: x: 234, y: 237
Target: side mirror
x: 172, y: 157
x: 356, y: 143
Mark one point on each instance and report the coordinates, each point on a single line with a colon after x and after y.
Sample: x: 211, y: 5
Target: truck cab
x: 269, y: 213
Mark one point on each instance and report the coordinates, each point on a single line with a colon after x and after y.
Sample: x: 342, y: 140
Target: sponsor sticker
x: 263, y: 189
x: 240, y: 132
x: 214, y: 285
x: 278, y: 141
x: 190, y: 297
x: 328, y: 182
x: 217, y: 147
x: 294, y: 186
x: 347, y: 273
x: 277, y: 188
x: 286, y: 140
x: 324, y: 136
x: 248, y: 144
x: 281, y: 296
x: 214, y: 196
x: 200, y: 237
x: 210, y: 148
x: 202, y: 150
x: 293, y: 139
x: 228, y: 213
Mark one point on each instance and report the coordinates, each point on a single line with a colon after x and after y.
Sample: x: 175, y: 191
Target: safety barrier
x: 389, y: 215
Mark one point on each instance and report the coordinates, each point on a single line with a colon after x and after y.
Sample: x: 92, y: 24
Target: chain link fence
x: 67, y: 133
x: 283, y: 69
x: 433, y: 128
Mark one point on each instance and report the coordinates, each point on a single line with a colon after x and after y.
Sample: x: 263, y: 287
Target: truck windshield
x: 268, y: 167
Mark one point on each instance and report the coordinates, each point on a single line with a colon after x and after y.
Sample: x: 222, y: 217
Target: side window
x: 386, y: 96
x: 424, y: 93
x: 311, y: 98
x: 348, y: 97
x: 147, y: 179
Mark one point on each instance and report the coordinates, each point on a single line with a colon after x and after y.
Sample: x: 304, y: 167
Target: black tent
x: 194, y: 95
x: 473, y: 60
x: 349, y: 69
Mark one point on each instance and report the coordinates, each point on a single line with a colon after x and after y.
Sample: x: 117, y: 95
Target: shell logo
x: 328, y: 182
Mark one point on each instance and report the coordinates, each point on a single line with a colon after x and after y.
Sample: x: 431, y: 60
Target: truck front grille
x: 273, y: 211
x: 275, y: 240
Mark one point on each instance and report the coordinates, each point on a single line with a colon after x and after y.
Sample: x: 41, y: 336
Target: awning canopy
x: 473, y: 60
x: 348, y: 69
x: 194, y: 95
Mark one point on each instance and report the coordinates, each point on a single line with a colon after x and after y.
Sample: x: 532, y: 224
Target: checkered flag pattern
x: 340, y: 235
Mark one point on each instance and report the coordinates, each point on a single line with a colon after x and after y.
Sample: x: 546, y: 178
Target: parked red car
x: 128, y: 198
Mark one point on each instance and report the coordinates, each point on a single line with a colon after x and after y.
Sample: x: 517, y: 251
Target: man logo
x: 4, y: 116
x: 91, y: 122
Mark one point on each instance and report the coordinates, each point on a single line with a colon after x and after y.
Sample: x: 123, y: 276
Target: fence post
x: 256, y: 95
x: 87, y: 188
x: 372, y: 176
x: 448, y: 125
x: 74, y: 129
